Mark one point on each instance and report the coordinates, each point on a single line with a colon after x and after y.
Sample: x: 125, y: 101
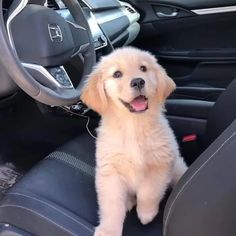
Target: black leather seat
x: 57, y: 197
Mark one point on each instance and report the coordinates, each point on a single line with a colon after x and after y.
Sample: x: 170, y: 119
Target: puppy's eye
x: 143, y: 68
x: 117, y: 74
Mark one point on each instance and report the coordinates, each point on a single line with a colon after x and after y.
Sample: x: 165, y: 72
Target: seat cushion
x: 57, y: 197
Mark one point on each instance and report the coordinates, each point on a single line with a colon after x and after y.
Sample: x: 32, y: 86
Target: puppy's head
x: 128, y: 79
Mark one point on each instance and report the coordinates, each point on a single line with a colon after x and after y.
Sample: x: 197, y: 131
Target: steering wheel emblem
x: 55, y: 33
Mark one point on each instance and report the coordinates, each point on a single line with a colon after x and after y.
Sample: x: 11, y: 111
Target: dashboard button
x: 60, y: 76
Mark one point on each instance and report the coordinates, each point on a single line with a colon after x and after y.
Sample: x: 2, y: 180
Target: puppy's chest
x: 136, y: 148
x: 145, y: 149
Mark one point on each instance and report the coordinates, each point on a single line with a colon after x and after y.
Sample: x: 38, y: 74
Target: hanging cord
x: 83, y: 116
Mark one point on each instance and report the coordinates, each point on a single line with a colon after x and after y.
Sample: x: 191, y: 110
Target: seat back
x: 203, y: 202
x: 222, y: 114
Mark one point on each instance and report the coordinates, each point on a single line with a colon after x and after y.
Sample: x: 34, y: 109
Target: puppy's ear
x: 93, y: 94
x: 165, y: 84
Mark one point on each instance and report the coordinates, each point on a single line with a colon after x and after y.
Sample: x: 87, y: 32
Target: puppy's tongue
x: 140, y: 103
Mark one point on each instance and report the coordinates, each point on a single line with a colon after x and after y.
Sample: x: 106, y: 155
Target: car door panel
x: 195, y: 49
x: 189, y: 108
x: 197, y: 93
x: 197, y: 46
x: 190, y: 4
x: 207, y: 74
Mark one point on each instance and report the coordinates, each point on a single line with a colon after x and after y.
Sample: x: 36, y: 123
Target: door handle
x: 165, y: 15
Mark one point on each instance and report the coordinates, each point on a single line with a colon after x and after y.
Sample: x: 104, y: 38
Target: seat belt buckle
x: 189, y: 138
x: 190, y: 148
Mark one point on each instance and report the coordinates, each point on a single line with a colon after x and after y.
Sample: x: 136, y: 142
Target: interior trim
x: 214, y: 10
x: 89, y: 6
x: 45, y: 73
x: 104, y: 18
x: 16, y: 11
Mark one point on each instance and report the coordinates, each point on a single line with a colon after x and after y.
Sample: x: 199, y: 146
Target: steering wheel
x: 36, y: 41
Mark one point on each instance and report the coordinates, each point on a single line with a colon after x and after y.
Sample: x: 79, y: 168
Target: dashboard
x: 111, y: 21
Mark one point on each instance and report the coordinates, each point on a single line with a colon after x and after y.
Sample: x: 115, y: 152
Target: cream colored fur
x: 137, y: 156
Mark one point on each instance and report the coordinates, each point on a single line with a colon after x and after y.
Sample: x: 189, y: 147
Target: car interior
x: 47, y: 134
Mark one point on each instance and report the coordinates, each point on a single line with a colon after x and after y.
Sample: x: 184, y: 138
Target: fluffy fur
x: 137, y: 156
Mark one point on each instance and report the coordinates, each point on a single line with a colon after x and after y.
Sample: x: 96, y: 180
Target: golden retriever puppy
x: 137, y: 156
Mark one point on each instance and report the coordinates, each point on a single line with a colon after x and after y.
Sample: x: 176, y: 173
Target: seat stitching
x: 88, y: 167
x: 42, y: 216
x: 68, y: 164
x: 191, y: 178
x: 71, y: 166
x: 48, y: 204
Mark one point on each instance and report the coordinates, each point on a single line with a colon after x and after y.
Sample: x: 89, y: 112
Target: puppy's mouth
x: 138, y: 104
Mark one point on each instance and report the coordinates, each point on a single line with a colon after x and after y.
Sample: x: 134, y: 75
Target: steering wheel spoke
x: 81, y: 38
x: 53, y: 77
x: 81, y: 49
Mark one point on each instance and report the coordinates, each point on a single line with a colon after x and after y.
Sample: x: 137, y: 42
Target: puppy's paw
x: 101, y: 231
x: 146, y: 216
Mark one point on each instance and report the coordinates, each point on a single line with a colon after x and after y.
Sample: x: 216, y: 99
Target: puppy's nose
x: 137, y: 83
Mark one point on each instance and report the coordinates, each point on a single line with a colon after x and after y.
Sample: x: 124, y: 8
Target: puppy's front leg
x: 150, y: 192
x: 112, y: 197
x: 179, y: 169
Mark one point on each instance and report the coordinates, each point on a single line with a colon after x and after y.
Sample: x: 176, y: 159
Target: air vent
x: 128, y: 8
x: 52, y: 4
